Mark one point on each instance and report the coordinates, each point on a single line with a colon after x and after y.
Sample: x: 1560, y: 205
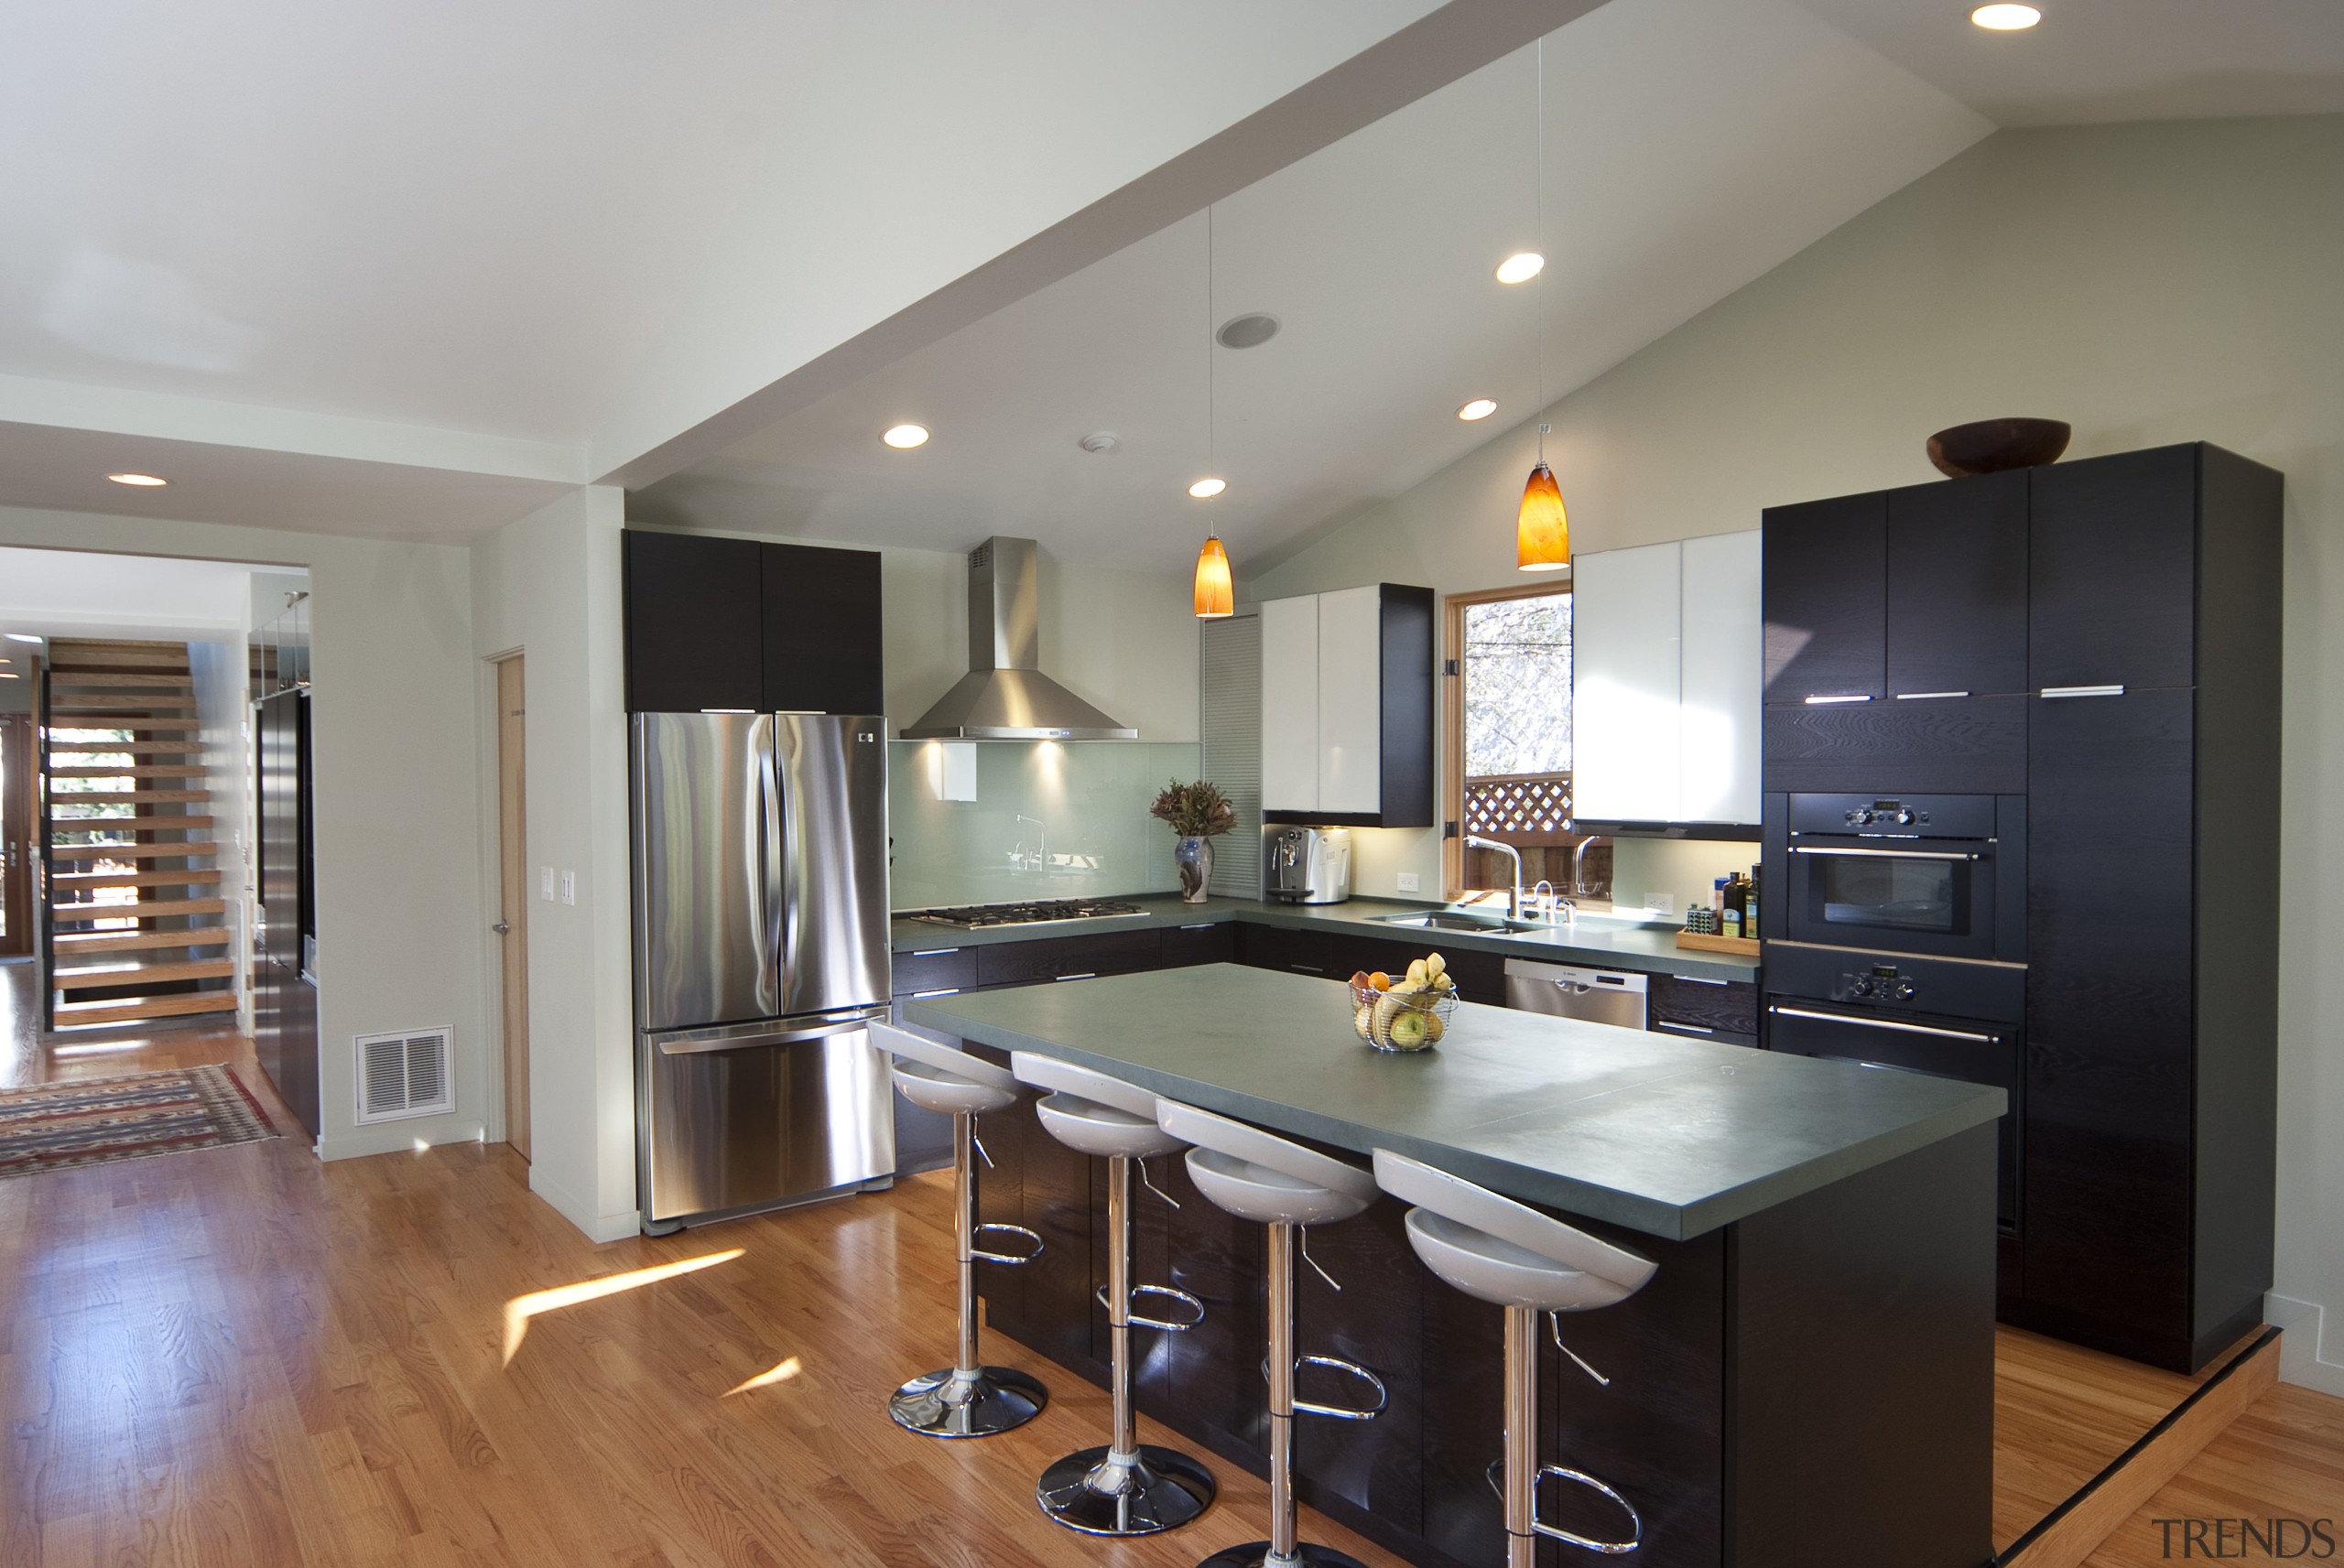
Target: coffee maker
x: 1306, y: 865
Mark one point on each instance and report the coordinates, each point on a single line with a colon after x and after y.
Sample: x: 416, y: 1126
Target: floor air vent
x: 403, y: 1075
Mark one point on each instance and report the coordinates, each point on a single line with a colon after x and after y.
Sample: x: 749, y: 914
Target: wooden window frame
x: 1452, y: 723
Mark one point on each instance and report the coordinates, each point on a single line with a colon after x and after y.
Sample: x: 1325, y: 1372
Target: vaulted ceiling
x: 413, y: 269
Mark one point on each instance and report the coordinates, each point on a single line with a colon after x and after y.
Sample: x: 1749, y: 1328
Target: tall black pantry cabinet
x: 2152, y: 801
x: 2098, y: 645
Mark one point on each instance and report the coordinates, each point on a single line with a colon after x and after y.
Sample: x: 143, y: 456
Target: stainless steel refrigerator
x: 761, y: 956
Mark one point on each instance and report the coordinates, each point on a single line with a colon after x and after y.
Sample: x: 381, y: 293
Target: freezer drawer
x: 757, y: 1123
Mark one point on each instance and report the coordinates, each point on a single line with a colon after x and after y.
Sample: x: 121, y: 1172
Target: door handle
x: 684, y: 1044
x: 502, y: 927
x: 1890, y: 854
x: 2082, y: 691
x: 1889, y: 1023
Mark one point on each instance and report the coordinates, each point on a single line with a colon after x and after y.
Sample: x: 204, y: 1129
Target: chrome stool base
x: 944, y: 1404
x: 1152, y: 1490
x: 1256, y: 1554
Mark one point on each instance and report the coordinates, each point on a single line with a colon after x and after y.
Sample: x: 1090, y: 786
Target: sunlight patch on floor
x: 765, y: 1380
x: 521, y: 1309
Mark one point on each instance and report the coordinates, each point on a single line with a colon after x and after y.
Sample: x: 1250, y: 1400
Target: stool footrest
x: 1341, y: 1412
x: 1555, y: 1532
x: 985, y: 1256
x: 1183, y: 1297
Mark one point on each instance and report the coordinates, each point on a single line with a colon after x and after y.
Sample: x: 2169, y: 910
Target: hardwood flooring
x: 242, y: 1357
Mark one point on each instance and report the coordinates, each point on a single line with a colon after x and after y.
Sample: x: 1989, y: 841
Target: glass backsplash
x: 993, y: 821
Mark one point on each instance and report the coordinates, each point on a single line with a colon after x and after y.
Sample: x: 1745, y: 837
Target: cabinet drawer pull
x: 1202, y: 926
x: 932, y: 952
x: 1687, y: 1028
x: 1926, y: 696
x: 949, y: 990
x: 1822, y: 699
x: 1699, y: 980
x: 1086, y: 975
x: 1309, y: 968
x: 2082, y: 691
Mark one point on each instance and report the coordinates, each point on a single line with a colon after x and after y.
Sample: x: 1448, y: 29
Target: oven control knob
x: 1899, y: 991
x: 1859, y: 817
x: 1859, y: 985
x: 1904, y: 817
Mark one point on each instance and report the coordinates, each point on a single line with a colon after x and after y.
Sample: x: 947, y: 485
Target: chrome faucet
x: 1040, y: 859
x: 1578, y: 854
x: 1514, y: 900
x: 1554, y: 903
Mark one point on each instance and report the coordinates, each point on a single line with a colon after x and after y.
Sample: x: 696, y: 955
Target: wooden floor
x: 242, y: 1357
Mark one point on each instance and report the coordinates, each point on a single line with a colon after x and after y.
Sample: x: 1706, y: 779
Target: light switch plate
x: 545, y: 883
x: 1661, y: 903
x: 1411, y: 883
x: 569, y: 887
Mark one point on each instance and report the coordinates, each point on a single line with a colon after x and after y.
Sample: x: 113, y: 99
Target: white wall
x: 548, y: 587
x: 2150, y: 283
x: 397, y: 872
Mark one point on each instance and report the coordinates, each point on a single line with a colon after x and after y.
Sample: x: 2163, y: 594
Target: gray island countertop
x: 1670, y: 1136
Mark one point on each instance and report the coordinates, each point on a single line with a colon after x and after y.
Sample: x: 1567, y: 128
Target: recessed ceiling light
x: 1099, y: 442
x: 1205, y: 489
x: 22, y: 637
x: 1247, y: 332
x: 1521, y: 266
x: 1480, y: 409
x: 145, y: 480
x: 904, y: 438
x: 2006, y: 18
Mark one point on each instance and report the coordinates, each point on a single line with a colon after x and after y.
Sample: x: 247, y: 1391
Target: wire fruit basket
x: 1401, y: 1022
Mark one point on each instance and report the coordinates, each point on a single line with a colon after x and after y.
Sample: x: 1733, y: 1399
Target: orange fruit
x: 1380, y: 980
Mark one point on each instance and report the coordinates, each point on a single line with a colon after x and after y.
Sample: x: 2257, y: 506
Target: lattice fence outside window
x: 1521, y: 809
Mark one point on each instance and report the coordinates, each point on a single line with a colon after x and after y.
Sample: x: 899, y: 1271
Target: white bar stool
x: 1282, y: 1186
x: 1126, y: 1488
x: 967, y: 1398
x: 1505, y: 1252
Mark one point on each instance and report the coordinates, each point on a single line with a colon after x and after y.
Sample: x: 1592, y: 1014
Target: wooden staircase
x: 137, y: 926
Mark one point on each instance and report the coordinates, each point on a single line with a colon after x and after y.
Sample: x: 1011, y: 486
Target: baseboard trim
x: 2076, y: 1528
x: 2302, y: 1354
x: 599, y: 1228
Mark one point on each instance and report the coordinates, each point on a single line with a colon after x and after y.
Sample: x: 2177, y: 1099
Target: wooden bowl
x: 1991, y: 446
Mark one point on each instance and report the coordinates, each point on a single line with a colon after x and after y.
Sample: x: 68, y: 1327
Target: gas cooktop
x: 1038, y: 913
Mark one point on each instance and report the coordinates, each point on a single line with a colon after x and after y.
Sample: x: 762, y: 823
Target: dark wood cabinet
x: 737, y: 623
x: 1957, y: 588
x: 1208, y: 942
x: 695, y: 622
x: 924, y: 971
x: 2112, y: 548
x: 822, y: 636
x: 1824, y: 583
x: 1726, y: 1010
x: 1069, y: 958
x: 1275, y: 947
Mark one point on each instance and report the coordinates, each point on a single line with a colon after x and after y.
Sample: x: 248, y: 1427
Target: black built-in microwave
x: 1936, y: 876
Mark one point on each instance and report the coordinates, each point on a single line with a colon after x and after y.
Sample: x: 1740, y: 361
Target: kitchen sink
x: 1460, y: 920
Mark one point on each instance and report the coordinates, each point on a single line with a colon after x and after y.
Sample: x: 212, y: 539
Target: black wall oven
x: 1936, y: 876
x: 1948, y: 1019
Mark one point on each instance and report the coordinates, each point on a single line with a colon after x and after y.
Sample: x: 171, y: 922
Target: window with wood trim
x: 1506, y: 758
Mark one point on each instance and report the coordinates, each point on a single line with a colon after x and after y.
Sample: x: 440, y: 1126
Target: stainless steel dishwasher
x: 1598, y: 996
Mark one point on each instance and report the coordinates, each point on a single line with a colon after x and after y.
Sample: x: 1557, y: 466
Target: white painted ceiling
x: 1691, y: 145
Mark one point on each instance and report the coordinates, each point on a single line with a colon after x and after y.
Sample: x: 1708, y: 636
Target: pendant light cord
x: 1538, y: 209
x: 1210, y: 416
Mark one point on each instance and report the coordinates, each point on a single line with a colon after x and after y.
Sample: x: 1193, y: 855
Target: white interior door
x: 1724, y: 640
x: 1290, y: 704
x: 1626, y: 659
x: 1351, y: 700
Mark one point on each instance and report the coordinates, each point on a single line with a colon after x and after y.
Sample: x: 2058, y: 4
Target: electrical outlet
x: 545, y: 883
x: 1660, y: 903
x: 1411, y: 883
x: 569, y: 887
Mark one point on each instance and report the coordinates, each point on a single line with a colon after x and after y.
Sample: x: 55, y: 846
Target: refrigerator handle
x: 772, y: 864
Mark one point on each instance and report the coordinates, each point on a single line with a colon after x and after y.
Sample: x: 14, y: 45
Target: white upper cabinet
x: 1723, y: 662
x: 1666, y: 672
x: 1351, y: 701
x: 1347, y: 707
x: 1290, y: 703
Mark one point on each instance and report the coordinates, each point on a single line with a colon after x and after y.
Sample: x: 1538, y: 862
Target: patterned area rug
x: 90, y: 1121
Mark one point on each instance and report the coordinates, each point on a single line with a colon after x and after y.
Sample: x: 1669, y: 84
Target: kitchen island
x: 1809, y: 1379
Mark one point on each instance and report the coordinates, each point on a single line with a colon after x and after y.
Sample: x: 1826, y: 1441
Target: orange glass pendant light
x: 1216, y: 594
x: 1542, y: 532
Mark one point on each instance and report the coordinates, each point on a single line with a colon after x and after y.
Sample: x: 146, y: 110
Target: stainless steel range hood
x: 1004, y: 696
